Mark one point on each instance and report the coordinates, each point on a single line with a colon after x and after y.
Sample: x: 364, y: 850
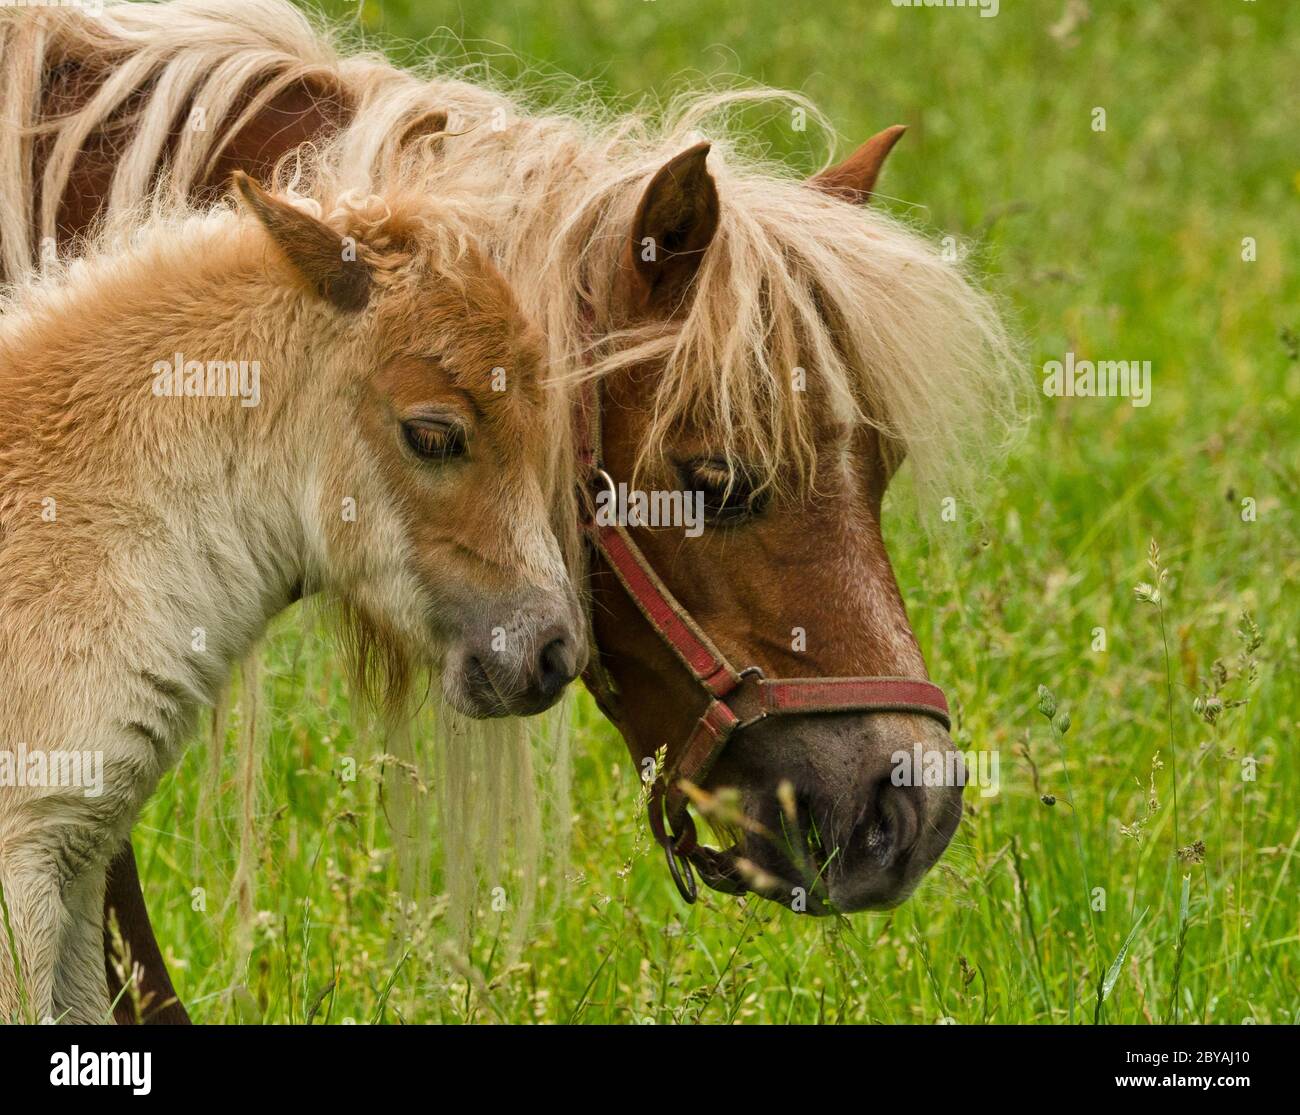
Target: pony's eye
x: 434, y: 439
x: 730, y: 495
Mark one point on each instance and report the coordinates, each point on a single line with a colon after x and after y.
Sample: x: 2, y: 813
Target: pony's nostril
x: 899, y: 817
x: 555, y: 666
x: 886, y: 831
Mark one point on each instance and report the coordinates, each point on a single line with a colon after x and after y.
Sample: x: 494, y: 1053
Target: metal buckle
x: 756, y: 673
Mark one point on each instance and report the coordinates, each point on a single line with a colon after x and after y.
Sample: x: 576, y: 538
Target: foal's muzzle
x: 519, y: 666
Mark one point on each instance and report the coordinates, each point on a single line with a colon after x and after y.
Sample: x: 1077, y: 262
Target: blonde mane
x: 891, y: 333
x: 405, y: 230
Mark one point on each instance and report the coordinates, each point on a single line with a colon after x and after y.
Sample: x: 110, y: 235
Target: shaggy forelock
x: 886, y: 332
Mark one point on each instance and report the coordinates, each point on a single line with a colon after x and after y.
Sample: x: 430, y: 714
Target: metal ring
x: 601, y: 474
x: 679, y: 866
x: 683, y: 875
x: 687, y: 839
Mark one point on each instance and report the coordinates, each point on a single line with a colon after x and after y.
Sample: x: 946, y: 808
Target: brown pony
x: 768, y: 342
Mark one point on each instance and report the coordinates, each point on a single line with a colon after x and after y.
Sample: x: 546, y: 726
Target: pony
x: 767, y: 339
x: 207, y: 417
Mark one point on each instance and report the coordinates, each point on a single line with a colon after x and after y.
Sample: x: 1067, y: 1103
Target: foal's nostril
x: 556, y: 666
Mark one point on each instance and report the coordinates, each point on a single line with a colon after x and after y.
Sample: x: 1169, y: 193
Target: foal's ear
x: 316, y: 251
x: 431, y: 123
x: 674, y: 223
x: 855, y: 177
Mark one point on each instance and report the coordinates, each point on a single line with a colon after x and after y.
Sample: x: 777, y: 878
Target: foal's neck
x: 192, y: 506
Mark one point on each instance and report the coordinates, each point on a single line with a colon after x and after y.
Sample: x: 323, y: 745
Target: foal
x: 229, y: 411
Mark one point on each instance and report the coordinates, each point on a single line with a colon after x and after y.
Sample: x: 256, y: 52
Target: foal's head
x: 432, y: 471
x: 788, y: 349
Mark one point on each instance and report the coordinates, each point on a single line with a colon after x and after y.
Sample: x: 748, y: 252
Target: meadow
x: 1117, y: 618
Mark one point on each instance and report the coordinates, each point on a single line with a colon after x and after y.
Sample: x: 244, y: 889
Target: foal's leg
x: 54, y: 848
x: 36, y: 919
x: 80, y: 988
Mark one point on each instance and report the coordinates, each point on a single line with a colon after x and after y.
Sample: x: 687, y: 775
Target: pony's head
x: 432, y: 473
x: 780, y: 349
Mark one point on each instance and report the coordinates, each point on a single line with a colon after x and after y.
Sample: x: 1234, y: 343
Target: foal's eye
x: 730, y: 494
x: 434, y: 439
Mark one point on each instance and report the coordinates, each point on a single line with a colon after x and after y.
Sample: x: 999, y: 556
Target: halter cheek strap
x: 735, y: 699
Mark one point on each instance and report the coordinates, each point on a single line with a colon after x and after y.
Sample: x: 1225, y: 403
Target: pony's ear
x: 855, y: 177
x: 674, y: 223
x: 315, y: 250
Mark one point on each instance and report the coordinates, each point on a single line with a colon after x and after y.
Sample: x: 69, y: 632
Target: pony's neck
x: 194, y: 505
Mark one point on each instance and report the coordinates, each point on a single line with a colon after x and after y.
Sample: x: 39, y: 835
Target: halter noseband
x: 737, y: 699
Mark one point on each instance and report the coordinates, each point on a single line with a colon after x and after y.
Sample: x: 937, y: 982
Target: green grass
x: 1124, y: 244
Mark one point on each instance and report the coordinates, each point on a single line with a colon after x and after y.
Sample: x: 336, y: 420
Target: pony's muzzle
x: 906, y: 808
x: 863, y: 819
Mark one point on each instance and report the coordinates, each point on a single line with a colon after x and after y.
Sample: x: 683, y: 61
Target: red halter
x: 736, y: 698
